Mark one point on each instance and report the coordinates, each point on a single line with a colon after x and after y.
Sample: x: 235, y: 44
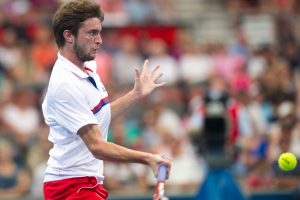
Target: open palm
x: 145, y: 81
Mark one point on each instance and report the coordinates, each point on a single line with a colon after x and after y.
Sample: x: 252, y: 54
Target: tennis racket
x: 160, y: 185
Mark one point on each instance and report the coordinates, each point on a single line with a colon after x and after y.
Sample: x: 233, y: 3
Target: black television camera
x: 213, y: 136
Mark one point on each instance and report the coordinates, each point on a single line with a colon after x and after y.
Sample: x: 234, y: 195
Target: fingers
x: 137, y: 72
x: 160, y: 84
x: 145, y: 66
x: 167, y: 162
x: 149, y: 75
x: 157, y: 77
x: 154, y: 70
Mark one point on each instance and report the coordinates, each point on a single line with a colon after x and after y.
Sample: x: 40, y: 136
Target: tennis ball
x: 287, y: 161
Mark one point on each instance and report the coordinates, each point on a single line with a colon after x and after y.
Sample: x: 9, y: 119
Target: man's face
x: 88, y: 40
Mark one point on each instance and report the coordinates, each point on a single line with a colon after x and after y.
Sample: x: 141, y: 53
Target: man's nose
x: 98, y: 39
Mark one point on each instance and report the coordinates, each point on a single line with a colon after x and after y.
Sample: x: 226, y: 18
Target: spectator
x: 37, y: 160
x: 21, y: 118
x: 128, y: 53
x: 104, y: 65
x: 188, y: 170
x: 14, y: 179
x: 261, y: 111
x: 124, y: 176
x: 10, y: 53
x: 151, y: 137
x: 115, y: 13
x: 260, y: 176
x: 257, y: 65
x: 141, y: 11
x: 225, y: 64
x: 276, y: 89
x: 168, y: 66
x: 195, y: 65
x: 43, y: 60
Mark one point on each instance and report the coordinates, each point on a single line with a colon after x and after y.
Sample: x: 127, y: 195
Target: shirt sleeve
x: 72, y: 109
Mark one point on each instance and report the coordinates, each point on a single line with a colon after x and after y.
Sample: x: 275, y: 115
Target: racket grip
x: 162, y: 173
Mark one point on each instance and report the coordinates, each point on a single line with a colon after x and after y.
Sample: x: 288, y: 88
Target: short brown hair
x: 70, y: 16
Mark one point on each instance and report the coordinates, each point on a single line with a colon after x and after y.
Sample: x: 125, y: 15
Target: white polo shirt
x: 72, y: 102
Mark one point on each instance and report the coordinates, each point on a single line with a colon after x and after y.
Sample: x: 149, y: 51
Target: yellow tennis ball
x: 287, y: 161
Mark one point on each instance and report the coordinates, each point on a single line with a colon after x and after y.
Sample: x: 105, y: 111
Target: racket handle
x: 162, y: 173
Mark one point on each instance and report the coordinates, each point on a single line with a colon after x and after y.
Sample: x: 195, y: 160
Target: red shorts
x: 75, y: 188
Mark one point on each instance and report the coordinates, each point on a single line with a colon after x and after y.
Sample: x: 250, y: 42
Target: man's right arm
x: 103, y: 150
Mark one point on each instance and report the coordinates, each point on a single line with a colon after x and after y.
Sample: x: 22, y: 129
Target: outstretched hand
x: 146, y: 81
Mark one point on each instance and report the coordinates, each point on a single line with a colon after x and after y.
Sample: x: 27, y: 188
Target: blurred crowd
x: 258, y: 87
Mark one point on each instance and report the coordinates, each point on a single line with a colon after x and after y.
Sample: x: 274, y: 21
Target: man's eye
x: 93, y: 33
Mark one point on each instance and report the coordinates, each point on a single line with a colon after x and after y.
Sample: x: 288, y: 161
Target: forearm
x: 113, y: 152
x: 91, y: 135
x: 123, y: 103
x: 109, y: 151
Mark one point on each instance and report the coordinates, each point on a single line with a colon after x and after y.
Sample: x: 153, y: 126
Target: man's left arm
x: 145, y: 83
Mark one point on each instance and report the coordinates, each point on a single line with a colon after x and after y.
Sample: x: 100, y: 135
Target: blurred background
x: 231, y: 102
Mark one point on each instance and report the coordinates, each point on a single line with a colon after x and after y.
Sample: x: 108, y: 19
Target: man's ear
x: 69, y: 37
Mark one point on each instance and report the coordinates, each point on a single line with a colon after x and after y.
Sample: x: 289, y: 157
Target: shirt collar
x: 68, y: 65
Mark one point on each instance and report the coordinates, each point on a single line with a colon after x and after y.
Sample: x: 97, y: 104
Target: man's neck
x: 70, y: 55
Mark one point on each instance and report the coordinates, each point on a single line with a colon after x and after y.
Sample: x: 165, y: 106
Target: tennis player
x: 78, y: 111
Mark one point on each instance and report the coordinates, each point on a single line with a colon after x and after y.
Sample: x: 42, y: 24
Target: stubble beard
x: 81, y: 54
